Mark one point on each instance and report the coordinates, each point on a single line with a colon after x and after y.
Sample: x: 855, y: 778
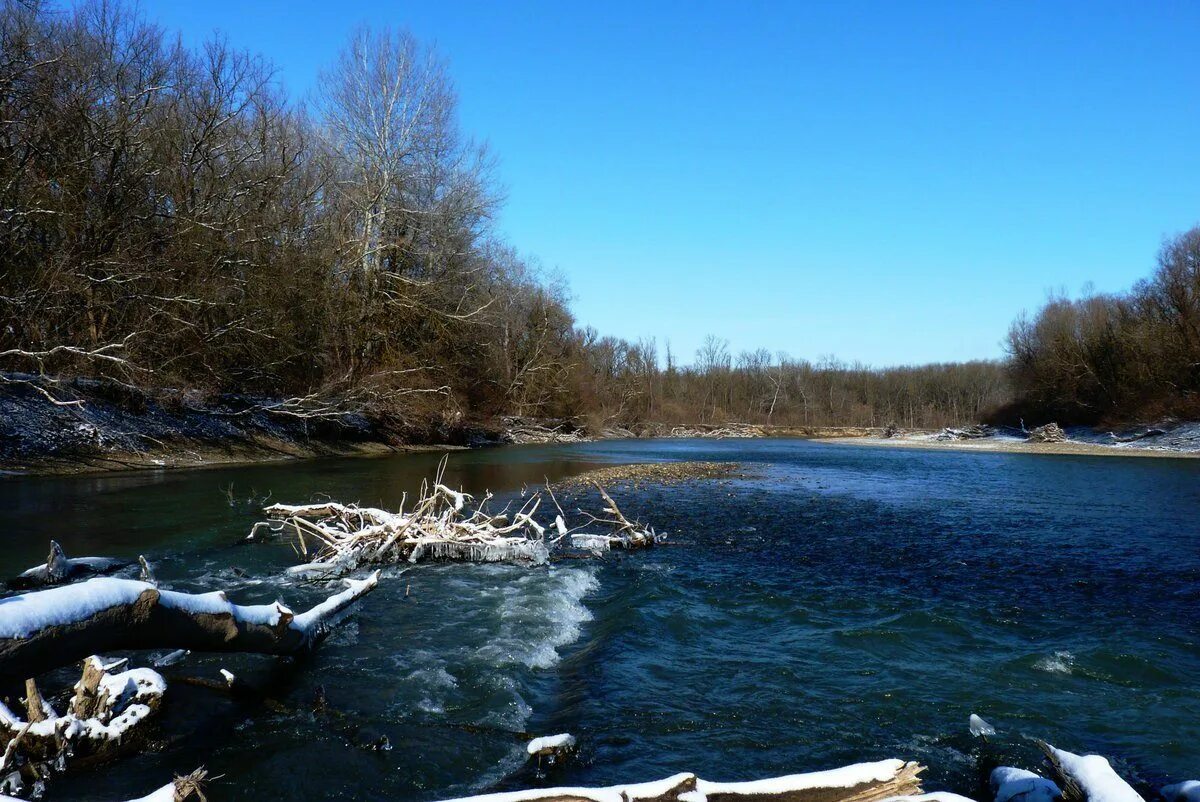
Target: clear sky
x: 887, y: 182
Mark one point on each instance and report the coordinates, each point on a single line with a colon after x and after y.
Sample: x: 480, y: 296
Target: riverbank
x: 97, y: 426
x: 101, y: 427
x: 1172, y: 440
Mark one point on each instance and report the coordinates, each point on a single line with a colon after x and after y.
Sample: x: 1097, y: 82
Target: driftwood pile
x: 443, y: 524
x: 1050, y: 433
x: 523, y: 431
x: 975, y: 432
x: 720, y: 432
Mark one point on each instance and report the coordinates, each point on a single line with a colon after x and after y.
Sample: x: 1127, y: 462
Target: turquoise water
x: 840, y: 603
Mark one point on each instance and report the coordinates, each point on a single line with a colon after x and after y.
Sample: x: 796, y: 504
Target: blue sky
x: 886, y: 182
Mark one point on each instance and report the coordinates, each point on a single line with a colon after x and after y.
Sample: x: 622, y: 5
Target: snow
x: 1018, y: 785
x: 615, y: 793
x: 550, y: 742
x: 1188, y: 791
x: 844, y: 777
x: 164, y: 794
x: 936, y: 796
x: 1096, y: 777
x: 309, y: 621
x: 29, y: 612
x: 23, y: 615
x: 979, y: 727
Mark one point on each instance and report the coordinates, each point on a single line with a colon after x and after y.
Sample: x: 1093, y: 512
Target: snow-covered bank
x: 1176, y: 439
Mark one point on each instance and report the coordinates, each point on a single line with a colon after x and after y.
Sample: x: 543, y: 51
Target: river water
x: 835, y: 604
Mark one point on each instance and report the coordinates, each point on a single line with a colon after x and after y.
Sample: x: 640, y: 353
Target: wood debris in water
x: 445, y: 524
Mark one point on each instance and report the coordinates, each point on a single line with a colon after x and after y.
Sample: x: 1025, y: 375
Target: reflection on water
x: 842, y: 604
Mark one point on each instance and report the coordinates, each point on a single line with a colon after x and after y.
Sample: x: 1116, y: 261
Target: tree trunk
x: 51, y: 628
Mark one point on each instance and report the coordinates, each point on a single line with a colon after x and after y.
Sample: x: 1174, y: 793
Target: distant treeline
x: 1125, y: 358
x: 170, y: 219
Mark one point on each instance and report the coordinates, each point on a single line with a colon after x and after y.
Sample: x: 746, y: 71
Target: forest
x: 172, y: 220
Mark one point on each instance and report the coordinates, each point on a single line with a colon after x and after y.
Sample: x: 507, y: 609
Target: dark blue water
x: 841, y: 603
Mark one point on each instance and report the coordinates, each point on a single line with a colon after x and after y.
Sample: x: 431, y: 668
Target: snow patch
x: 1018, y: 785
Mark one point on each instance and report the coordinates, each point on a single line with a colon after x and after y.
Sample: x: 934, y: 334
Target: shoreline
x: 1000, y: 446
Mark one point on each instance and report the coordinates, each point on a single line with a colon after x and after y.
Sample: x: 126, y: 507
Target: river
x: 835, y: 604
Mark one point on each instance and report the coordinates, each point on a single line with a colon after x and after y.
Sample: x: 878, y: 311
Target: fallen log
x: 108, y: 705
x: 60, y: 569
x: 862, y: 782
x: 1087, y: 778
x: 46, y: 629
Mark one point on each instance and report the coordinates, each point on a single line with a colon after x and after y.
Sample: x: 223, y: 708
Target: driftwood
x: 443, y: 524
x: 344, y: 537
x: 1050, y: 433
x: 60, y: 569
x: 1087, y: 778
x: 50, y: 628
x: 107, y: 708
x: 626, y: 534
x: 976, y: 432
x: 523, y: 431
x: 728, y: 430
x: 863, y: 782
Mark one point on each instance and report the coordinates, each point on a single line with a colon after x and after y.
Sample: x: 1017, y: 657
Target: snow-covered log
x: 50, y: 628
x: 551, y: 746
x: 60, y: 569
x: 863, y: 782
x: 1087, y: 778
x: 107, y: 710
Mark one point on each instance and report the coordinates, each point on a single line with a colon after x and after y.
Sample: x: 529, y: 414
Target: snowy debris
x: 980, y: 728
x: 1188, y: 791
x: 659, y: 789
x: 442, y: 525
x: 1018, y: 785
x: 1093, y: 775
x: 103, y: 713
x: 59, y: 569
x: 862, y: 781
x: 551, y: 744
x: 1050, y: 433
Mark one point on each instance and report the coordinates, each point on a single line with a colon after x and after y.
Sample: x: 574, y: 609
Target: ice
x: 979, y: 727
